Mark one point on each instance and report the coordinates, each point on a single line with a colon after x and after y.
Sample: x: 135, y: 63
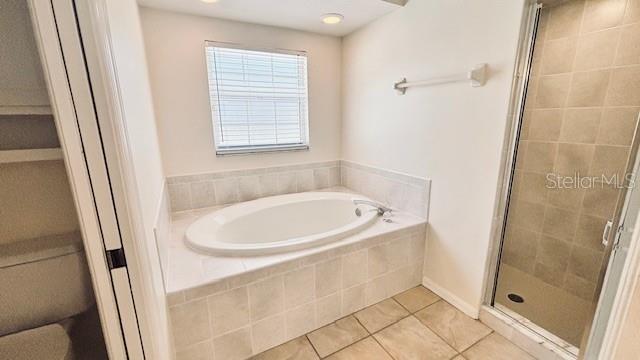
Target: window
x: 258, y: 99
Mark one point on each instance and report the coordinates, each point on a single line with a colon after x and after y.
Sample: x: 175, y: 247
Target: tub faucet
x: 380, y: 208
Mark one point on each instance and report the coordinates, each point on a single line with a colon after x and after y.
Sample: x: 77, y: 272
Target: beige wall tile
x: 353, y: 299
x: 299, y: 287
x: 202, y: 194
x: 554, y: 253
x: 553, y: 90
x: 533, y: 187
x: 398, y: 253
x: 549, y: 274
x: 378, y: 260
x: 545, y: 124
x: 328, y: 277
x: 559, y: 223
x: 600, y: 201
x: 580, y: 125
x: 321, y: 178
x: 579, y: 287
x: 226, y: 191
x: 573, y: 159
x: 190, y: 323
x: 268, y: 333
x: 558, y: 56
x: 305, y: 180
x: 539, y: 156
x: 301, y: 320
x: 268, y: 184
x: 585, y: 263
x: 588, y: 88
x: 564, y: 20
x: 329, y: 309
x: 589, y: 232
x: 354, y: 268
x: 527, y: 215
x: 375, y: 290
x: 233, y: 346
x: 602, y: 14
x: 624, y: 88
x: 200, y: 351
x: 596, y: 50
x: 248, y: 188
x: 609, y: 161
x: 617, y: 126
x: 229, y: 310
x: 287, y: 183
x: 417, y: 246
x: 565, y: 198
x: 629, y: 48
x: 266, y: 297
x: 520, y: 249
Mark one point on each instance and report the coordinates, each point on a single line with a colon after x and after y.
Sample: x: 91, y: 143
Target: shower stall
x: 568, y: 203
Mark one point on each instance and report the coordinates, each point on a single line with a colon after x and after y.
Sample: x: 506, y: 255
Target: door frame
x: 54, y: 26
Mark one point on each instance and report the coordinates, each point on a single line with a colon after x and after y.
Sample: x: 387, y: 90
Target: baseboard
x: 452, y: 299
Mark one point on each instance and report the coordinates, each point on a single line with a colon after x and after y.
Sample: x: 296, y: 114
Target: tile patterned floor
x: 416, y: 324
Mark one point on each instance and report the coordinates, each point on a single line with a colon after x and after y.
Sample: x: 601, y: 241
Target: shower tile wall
x: 581, y: 109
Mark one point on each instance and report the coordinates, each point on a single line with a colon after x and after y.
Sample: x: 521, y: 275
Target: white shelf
x: 25, y: 110
x: 30, y: 155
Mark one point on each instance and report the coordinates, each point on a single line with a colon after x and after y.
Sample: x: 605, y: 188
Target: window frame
x: 215, y: 116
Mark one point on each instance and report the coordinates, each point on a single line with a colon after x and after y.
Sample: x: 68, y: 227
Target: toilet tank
x: 42, y: 281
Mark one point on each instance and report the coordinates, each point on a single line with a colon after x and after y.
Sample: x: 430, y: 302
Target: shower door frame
x: 631, y: 270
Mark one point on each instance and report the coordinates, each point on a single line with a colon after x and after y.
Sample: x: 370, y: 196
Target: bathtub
x: 279, y: 224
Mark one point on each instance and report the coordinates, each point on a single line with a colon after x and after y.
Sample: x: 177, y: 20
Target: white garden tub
x: 279, y: 224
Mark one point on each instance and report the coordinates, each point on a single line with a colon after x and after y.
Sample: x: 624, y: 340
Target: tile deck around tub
x: 188, y: 271
x: 432, y: 330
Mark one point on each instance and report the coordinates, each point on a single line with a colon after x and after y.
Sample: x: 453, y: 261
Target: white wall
x: 451, y: 133
x: 144, y: 157
x: 175, y: 51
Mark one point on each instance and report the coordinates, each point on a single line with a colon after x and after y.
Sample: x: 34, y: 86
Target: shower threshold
x: 530, y: 337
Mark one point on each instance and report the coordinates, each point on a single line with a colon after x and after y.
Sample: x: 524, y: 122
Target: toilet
x: 44, y: 283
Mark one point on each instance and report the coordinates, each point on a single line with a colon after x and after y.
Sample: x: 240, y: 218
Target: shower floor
x: 559, y: 312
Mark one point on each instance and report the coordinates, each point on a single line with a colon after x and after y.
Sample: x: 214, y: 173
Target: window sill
x: 260, y: 150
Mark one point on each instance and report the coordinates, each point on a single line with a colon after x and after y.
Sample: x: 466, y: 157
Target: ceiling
x: 295, y: 14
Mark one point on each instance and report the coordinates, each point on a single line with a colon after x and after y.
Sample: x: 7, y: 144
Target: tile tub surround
x: 400, y: 191
x: 239, y: 307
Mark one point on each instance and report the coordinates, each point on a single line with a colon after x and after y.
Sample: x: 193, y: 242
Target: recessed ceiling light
x: 332, y: 19
x: 209, y: 1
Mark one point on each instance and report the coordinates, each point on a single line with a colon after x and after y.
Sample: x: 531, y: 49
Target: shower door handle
x: 606, y: 232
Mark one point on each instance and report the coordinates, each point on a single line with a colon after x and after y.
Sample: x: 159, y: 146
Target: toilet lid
x: 45, y: 342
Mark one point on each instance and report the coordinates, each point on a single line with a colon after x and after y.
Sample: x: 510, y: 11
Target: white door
x: 56, y: 29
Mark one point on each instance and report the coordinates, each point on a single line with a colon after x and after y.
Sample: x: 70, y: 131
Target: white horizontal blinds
x: 258, y: 99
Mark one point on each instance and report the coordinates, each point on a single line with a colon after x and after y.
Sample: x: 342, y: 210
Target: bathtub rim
x: 232, y: 212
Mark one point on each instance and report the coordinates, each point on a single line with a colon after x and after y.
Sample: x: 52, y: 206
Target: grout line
x: 312, y: 346
x: 382, y: 347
